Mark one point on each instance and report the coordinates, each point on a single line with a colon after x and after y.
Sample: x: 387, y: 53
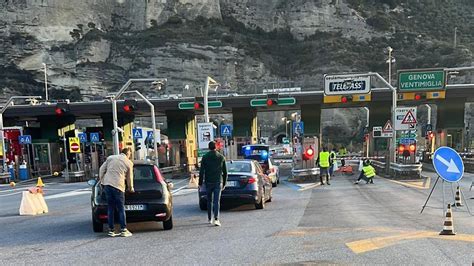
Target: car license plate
x: 139, y: 207
x: 232, y: 184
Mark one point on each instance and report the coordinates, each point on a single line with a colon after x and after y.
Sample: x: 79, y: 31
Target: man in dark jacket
x: 213, y: 173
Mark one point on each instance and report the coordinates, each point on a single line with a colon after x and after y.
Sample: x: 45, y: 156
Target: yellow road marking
x: 370, y: 244
x: 414, y: 184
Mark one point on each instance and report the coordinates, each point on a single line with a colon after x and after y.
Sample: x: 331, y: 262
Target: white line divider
x: 70, y: 194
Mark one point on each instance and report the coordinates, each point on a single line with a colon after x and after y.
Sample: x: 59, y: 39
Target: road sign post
x: 226, y: 130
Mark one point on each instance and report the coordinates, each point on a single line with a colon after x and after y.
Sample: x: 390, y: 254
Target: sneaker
x: 211, y: 221
x: 322, y: 184
x: 112, y: 233
x: 217, y: 223
x: 125, y: 233
x: 356, y: 182
x: 328, y: 183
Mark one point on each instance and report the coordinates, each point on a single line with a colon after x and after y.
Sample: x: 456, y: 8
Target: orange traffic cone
x: 457, y: 198
x: 40, y: 182
x: 448, y: 228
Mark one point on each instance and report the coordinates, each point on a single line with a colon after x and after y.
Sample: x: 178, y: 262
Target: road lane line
x: 14, y: 193
x: 375, y: 243
x: 69, y: 194
x: 425, y: 184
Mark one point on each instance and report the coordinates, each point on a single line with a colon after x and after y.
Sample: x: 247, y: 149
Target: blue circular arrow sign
x: 448, y: 164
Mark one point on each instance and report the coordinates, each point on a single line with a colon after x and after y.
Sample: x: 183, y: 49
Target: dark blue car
x: 247, y: 183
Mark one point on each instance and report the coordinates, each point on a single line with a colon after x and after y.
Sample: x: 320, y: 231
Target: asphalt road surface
x: 338, y: 224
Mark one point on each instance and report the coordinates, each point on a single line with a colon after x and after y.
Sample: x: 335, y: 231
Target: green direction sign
x: 285, y: 140
x: 190, y: 105
x: 279, y: 101
x: 409, y: 134
x: 423, y: 80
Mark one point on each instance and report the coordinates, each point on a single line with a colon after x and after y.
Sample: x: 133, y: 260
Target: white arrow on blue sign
x: 95, y: 137
x: 137, y: 133
x: 24, y: 139
x: 82, y: 137
x: 448, y: 164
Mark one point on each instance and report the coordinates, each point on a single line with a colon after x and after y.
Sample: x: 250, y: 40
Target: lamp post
x: 389, y: 61
x: 2, y: 134
x: 45, y: 81
x: 367, y: 129
x: 209, y: 82
x: 156, y: 82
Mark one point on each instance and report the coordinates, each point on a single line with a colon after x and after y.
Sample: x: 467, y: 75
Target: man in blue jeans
x: 213, y: 173
x: 113, y: 174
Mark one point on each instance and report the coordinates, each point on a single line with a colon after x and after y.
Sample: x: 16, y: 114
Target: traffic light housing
x: 346, y: 98
x: 308, y: 153
x: 420, y: 96
x: 198, y: 103
x: 272, y: 100
x: 129, y: 106
x: 61, y: 109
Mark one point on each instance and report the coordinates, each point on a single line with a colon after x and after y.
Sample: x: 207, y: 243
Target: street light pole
x: 390, y: 50
x: 114, y: 106
x: 367, y: 127
x: 46, y: 81
x: 153, y: 123
x: 2, y: 133
x: 209, y: 80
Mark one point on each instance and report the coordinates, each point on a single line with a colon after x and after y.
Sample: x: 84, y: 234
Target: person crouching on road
x: 213, y: 173
x: 367, y: 173
x: 113, y: 174
x: 323, y: 161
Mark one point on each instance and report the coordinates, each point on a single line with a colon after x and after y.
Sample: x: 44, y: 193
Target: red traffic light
x: 270, y: 102
x: 129, y: 106
x: 59, y: 111
x: 431, y: 135
x: 412, y: 148
x: 401, y: 148
x: 417, y: 97
x: 308, y: 153
x: 346, y: 99
x: 197, y: 106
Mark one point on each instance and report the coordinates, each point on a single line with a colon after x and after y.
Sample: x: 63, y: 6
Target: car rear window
x: 243, y: 167
x: 143, y: 173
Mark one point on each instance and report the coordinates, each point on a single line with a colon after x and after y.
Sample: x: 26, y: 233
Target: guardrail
x: 170, y: 169
x: 399, y: 171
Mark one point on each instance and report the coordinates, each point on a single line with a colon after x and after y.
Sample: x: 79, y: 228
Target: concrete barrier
x: 398, y: 171
x: 33, y: 204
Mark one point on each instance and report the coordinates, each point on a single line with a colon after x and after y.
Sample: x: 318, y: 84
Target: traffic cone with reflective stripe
x: 40, y: 182
x: 457, y: 198
x: 448, y: 228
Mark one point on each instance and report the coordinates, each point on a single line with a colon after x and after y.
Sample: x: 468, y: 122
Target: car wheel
x: 202, y: 205
x: 168, y: 225
x: 261, y: 205
x: 270, y: 197
x: 98, y: 227
x: 274, y: 184
x: 278, y: 180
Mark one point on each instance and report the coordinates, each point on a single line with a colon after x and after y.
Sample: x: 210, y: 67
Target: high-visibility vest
x: 369, y: 171
x: 332, y: 155
x: 324, y: 159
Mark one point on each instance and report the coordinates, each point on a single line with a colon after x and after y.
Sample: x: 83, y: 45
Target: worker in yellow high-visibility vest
x: 367, y: 173
x: 323, y: 161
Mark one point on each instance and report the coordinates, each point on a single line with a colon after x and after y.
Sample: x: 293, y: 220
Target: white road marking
x: 69, y: 194
x: 11, y: 194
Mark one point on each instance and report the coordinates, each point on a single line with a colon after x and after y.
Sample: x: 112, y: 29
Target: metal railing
x: 399, y: 170
x: 170, y: 169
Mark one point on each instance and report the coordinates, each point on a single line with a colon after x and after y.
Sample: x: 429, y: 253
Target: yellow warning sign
x: 74, y: 145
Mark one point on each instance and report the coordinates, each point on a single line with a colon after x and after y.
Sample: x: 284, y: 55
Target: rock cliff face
x: 92, y: 47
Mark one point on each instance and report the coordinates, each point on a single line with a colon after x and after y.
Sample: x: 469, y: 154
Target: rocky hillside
x: 91, y: 47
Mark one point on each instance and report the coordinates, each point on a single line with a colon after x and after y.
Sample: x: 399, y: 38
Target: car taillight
x: 103, y: 216
x: 251, y: 180
x: 159, y: 177
x: 273, y: 170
